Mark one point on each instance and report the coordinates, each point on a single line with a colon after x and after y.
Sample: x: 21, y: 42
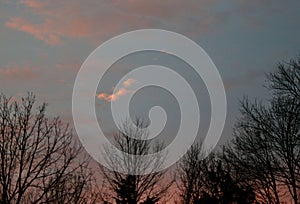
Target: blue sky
x: 44, y: 43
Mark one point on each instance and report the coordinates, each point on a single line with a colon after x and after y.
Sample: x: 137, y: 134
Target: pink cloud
x: 129, y: 82
x: 34, y: 3
x: 121, y: 92
x: 59, y: 19
x: 19, y: 73
x: 67, y: 66
x: 41, y: 32
x: 113, y: 97
x: 99, y: 20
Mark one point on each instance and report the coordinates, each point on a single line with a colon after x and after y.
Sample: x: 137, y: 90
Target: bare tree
x: 189, y: 173
x: 252, y: 155
x: 266, y: 146
x: 209, y: 180
x: 135, y: 186
x: 39, y: 158
x: 286, y: 79
x: 222, y: 184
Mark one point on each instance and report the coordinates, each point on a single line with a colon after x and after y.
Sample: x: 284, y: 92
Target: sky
x: 44, y: 43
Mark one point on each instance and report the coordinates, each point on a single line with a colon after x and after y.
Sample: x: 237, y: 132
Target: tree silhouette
x: 189, y: 173
x: 209, y: 180
x: 284, y: 82
x: 39, y: 160
x: 135, y: 186
x: 266, y: 146
x: 221, y: 185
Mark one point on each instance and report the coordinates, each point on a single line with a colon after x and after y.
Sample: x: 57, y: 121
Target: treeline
x: 42, y: 162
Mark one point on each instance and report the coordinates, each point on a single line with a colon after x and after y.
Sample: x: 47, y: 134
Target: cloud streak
x: 43, y: 32
x: 129, y: 82
x: 17, y: 73
x: 99, y: 20
x: 123, y: 90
